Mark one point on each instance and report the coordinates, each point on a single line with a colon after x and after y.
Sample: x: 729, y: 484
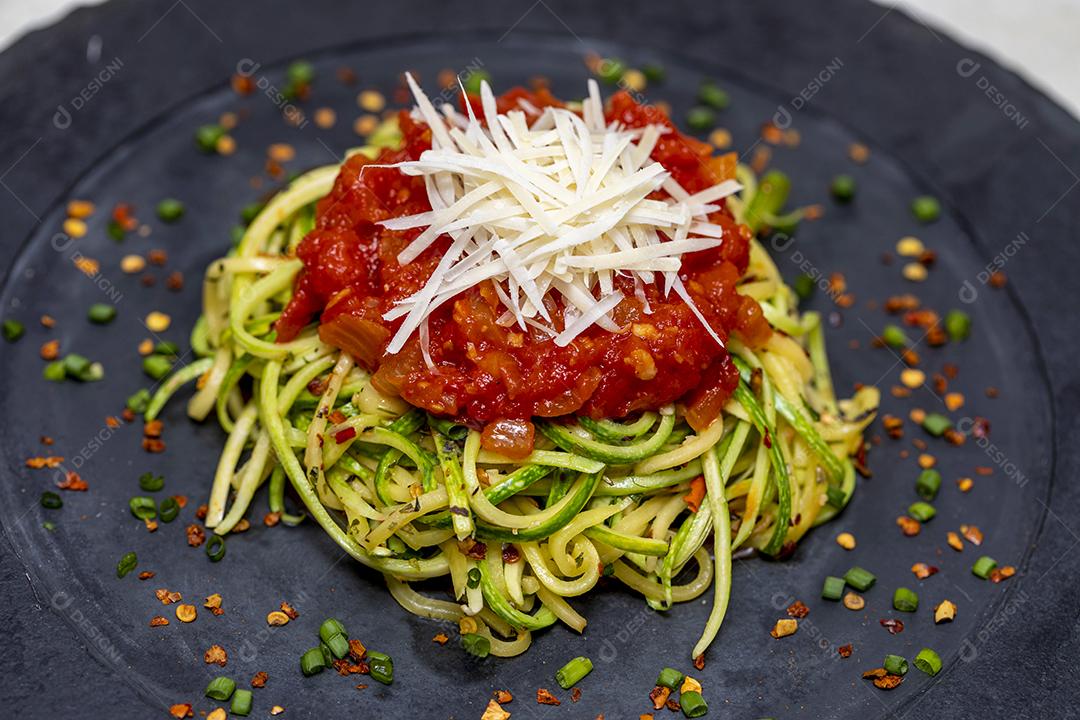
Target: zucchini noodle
x: 514, y: 541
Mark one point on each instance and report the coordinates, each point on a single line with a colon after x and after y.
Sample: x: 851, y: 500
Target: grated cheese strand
x: 548, y: 203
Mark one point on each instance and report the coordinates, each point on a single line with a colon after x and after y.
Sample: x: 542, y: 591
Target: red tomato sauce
x: 486, y: 374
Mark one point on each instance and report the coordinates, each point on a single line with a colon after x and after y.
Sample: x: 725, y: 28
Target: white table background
x: 1040, y: 39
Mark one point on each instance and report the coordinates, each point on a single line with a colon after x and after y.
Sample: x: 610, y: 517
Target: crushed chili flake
x: 356, y: 649
x: 200, y: 512
x: 175, y: 280
x: 984, y: 471
x: 146, y: 574
x: 845, y: 650
x: 998, y: 279
x: 699, y: 662
x: 798, y: 610
x: 166, y: 596
x: 181, y: 711
x: 502, y: 696
x: 472, y: 548
x: 50, y: 350
x: 575, y: 695
x: 151, y: 524
x: 345, y: 435
x: 153, y: 445
x: 259, y: 679
x: 659, y: 696
x: 128, y: 415
x: 923, y: 571
x: 510, y: 554
x: 212, y: 602
x: 159, y: 621
x: 72, y: 482
x: 894, y: 626
x: 954, y: 541
x: 440, y: 638
x: 546, y: 698
x: 289, y: 610
x: 216, y: 655
x: 271, y: 519
x: 196, y: 536
x: 153, y: 429
x: 181, y: 501
x: 1002, y: 573
x: 673, y: 705
x: 909, y: 526
x: 888, y: 682
x: 44, y: 462
x: 972, y: 534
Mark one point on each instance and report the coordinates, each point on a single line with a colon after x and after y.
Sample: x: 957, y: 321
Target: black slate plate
x: 748, y: 673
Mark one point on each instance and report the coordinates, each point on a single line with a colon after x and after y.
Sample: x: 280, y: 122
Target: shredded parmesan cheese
x: 547, y: 202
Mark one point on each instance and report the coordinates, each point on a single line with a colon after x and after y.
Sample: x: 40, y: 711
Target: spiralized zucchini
x: 415, y: 497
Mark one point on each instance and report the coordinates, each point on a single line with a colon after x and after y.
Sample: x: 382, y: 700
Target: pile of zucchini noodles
x: 403, y: 489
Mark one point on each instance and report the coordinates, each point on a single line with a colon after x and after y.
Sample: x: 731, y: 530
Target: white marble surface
x: 1039, y: 39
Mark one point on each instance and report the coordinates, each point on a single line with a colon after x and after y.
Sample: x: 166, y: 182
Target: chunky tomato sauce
x: 486, y: 374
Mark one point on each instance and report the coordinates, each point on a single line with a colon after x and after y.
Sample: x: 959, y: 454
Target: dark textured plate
x: 748, y: 674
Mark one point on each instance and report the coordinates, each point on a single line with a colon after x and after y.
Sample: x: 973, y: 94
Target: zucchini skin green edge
x: 502, y: 607
x: 783, y: 483
x: 562, y: 436
x: 539, y: 532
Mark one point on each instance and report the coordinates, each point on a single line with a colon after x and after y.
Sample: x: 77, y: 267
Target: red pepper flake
x: 923, y: 571
x: 502, y: 696
x: 673, y: 705
x: 575, y: 695
x: 895, y: 627
x: 123, y: 215
x: 345, y: 435
x: 181, y: 711
x: 337, y: 417
x: 153, y: 429
x: 845, y: 650
x: 798, y: 610
x: 175, y: 280
x: 146, y: 574
x: 472, y: 548
x: 289, y: 610
x: 972, y: 534
x: 998, y: 280
x: 983, y: 470
x: 159, y: 621
x: 659, y: 696
x: 216, y: 655
x: 440, y: 638
x: 980, y: 428
x: 200, y: 512
x: 128, y: 415
x: 153, y: 445
x: 696, y: 495
x: 196, y: 536
x: 1002, y: 573
x: 259, y: 680
x: 699, y: 662
x: 72, y: 482
x: 546, y: 698
x: 909, y: 526
x: 510, y: 554
x: 44, y: 462
x: 271, y: 519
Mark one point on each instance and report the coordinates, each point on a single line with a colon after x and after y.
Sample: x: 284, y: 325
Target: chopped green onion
x: 611, y: 70
x: 207, y: 136
x: 138, y: 401
x: 895, y: 665
x: 476, y: 644
x: 331, y: 627
x: 905, y: 600
x: 167, y: 348
x: 75, y: 364
x: 381, y: 667
x: 338, y: 644
x: 984, y: 566
x: 836, y: 496
x: 859, y: 578
x: 803, y: 286
x: 48, y: 525
x: 894, y: 337
x: 51, y: 500
x: 13, y: 330
x: 653, y: 72
x: 54, y: 371
x: 220, y: 688
x: 312, y: 662
x: 701, y: 118
x: 843, y: 188
x: 958, y: 325
x: 670, y: 678
x: 928, y: 484
x: 127, y: 564
x: 156, y: 366
x: 572, y: 672
x: 327, y: 654
x: 215, y: 548
x: 101, y: 313
x: 922, y: 511
x: 143, y: 507
x: 693, y: 705
x: 926, y: 209
x: 713, y: 96
x: 936, y: 424
x: 300, y: 72
x: 928, y: 661
x: 116, y: 231
x: 833, y: 588
x: 150, y: 482
x: 241, y: 703
x: 168, y: 510
x: 472, y: 81
x: 170, y: 210
x: 473, y: 579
